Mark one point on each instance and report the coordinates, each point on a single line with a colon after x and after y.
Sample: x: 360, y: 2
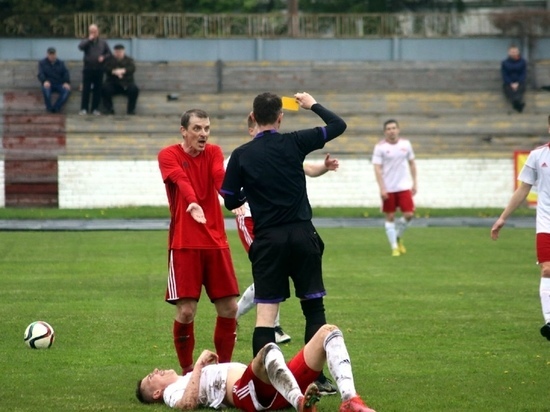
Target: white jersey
x: 212, y: 386
x: 536, y: 172
x: 394, y: 159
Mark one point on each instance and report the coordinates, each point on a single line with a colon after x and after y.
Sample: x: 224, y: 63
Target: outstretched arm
x: 517, y: 198
x: 319, y: 169
x: 196, y: 212
x: 335, y: 125
x: 171, y: 170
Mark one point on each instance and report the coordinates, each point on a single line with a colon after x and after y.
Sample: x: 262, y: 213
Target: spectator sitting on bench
x: 55, y: 78
x: 119, y: 70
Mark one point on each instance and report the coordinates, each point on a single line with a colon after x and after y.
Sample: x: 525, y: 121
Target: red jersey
x: 194, y: 179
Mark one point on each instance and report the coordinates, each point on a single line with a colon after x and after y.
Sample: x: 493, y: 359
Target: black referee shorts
x: 293, y: 251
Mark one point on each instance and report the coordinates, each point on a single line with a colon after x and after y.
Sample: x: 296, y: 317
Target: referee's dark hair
x: 267, y: 107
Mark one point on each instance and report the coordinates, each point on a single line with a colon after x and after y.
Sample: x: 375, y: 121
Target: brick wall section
x: 31, y: 142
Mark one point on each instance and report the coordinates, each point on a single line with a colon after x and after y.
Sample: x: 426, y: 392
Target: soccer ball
x: 39, y: 335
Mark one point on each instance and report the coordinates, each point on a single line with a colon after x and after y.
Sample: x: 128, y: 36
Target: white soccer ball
x: 39, y: 335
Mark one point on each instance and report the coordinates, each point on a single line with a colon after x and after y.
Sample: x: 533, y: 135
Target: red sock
x: 184, y: 342
x: 224, y: 338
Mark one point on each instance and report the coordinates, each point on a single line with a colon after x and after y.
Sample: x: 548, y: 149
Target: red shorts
x: 245, y: 227
x: 190, y: 269
x: 250, y: 394
x: 402, y: 200
x: 543, y: 247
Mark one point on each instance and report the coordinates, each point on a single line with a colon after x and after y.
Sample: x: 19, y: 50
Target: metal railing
x: 183, y: 25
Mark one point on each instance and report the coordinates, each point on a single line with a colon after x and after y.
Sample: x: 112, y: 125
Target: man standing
x: 535, y: 173
x: 199, y: 254
x: 96, y: 50
x: 119, y: 70
x: 268, y: 172
x: 393, y: 160
x: 514, y: 74
x: 55, y: 78
x: 245, y: 228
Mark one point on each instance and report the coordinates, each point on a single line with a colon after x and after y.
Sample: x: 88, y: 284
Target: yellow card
x: 290, y: 103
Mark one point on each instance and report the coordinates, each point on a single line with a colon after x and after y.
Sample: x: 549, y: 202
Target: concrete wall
x: 443, y: 183
x: 394, y: 49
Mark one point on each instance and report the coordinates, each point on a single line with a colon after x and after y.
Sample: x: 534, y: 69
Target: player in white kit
x: 535, y: 173
x: 395, y: 172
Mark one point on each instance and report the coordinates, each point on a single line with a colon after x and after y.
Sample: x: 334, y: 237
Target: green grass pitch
x: 453, y: 325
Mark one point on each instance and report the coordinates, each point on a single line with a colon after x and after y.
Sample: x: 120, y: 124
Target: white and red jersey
x: 536, y: 172
x: 212, y: 386
x: 394, y: 159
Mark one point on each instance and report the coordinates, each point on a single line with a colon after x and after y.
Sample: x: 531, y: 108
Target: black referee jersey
x: 268, y: 172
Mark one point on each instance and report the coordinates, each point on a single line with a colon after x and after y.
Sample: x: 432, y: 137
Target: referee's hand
x: 305, y: 100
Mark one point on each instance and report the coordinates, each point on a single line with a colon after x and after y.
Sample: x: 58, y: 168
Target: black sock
x: 314, y: 312
x: 261, y: 337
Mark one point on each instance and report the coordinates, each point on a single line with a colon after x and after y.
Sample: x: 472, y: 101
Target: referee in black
x: 268, y: 172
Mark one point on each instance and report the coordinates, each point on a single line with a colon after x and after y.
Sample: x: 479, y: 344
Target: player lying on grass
x: 267, y: 383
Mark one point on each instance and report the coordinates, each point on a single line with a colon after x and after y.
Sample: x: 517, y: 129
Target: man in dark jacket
x: 55, y: 78
x: 96, y: 50
x: 119, y: 70
x: 514, y: 74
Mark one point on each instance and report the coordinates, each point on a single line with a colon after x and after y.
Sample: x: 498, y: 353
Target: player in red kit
x: 199, y: 254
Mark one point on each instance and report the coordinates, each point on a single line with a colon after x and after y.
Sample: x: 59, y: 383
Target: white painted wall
x: 442, y: 183
x: 109, y: 183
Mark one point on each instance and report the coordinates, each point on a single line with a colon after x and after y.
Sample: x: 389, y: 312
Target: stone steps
x: 146, y: 145
x: 288, y: 77
x: 438, y: 123
x: 358, y: 124
x: 369, y: 103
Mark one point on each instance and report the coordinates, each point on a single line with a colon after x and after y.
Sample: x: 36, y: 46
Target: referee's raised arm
x: 335, y: 125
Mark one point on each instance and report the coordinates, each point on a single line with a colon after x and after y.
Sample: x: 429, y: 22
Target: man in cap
x: 54, y: 78
x: 119, y: 70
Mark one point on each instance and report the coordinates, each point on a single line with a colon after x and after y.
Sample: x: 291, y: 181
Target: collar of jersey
x: 264, y: 132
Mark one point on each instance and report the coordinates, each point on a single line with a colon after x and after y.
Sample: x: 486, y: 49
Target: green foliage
x: 9, y: 7
x: 450, y: 326
x: 334, y: 6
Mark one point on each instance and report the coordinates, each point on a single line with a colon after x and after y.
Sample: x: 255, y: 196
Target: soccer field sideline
x: 162, y: 224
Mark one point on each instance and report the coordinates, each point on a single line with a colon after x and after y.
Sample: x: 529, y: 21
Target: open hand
x: 196, y: 212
